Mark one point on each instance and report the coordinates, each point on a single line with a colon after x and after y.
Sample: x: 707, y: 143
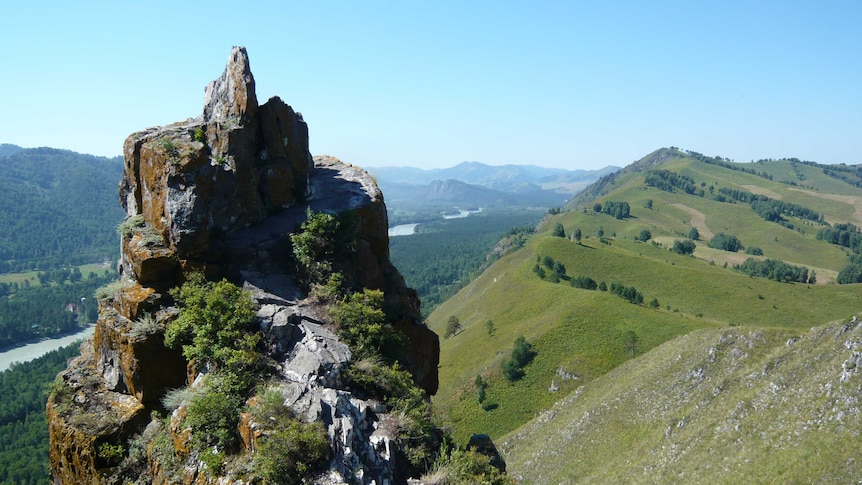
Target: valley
x: 505, y: 273
x: 580, y: 337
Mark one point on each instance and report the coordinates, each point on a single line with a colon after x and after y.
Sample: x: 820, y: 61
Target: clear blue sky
x: 431, y: 84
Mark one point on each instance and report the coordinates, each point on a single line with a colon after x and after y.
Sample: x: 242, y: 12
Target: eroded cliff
x: 221, y: 195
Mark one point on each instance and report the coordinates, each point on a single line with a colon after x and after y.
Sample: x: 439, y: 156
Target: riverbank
x: 38, y: 349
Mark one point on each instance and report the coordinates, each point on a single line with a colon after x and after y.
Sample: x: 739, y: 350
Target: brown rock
x: 222, y: 194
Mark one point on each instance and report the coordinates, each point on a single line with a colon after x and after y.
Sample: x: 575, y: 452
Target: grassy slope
x: 583, y: 331
x: 715, y: 406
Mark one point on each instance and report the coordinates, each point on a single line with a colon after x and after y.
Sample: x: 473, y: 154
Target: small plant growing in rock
x: 107, y: 292
x: 126, y: 227
x: 112, y: 454
x: 220, y: 160
x: 171, y: 150
x: 144, y: 326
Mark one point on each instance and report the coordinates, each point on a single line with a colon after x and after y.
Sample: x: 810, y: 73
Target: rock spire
x: 221, y: 194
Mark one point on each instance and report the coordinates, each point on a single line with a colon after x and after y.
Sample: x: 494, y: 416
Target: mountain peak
x: 232, y: 96
x: 654, y: 159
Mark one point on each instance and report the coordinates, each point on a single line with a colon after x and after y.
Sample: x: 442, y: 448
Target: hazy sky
x: 431, y: 84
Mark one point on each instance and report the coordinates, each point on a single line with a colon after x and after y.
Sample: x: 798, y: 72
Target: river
x: 410, y: 229
x: 40, y: 348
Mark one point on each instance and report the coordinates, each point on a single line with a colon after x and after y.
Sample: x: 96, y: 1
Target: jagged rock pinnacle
x: 232, y: 95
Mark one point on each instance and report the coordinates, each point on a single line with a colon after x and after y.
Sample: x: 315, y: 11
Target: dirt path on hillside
x: 754, y: 189
x: 853, y: 200
x: 698, y: 221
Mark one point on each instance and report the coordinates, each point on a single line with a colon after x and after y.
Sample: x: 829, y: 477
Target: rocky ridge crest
x: 221, y: 194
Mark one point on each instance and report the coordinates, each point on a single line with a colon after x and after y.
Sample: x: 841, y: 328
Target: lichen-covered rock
x: 221, y: 194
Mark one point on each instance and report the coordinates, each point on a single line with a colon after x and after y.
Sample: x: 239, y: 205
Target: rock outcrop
x: 221, y: 194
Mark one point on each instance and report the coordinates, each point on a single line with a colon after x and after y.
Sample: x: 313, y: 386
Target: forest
x: 48, y: 311
x: 57, y: 208
x: 668, y: 181
x: 446, y: 254
x: 770, y: 209
x: 23, y: 429
x: 776, y: 270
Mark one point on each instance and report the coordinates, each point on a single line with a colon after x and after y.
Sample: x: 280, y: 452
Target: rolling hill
x: 580, y: 336
x: 57, y: 207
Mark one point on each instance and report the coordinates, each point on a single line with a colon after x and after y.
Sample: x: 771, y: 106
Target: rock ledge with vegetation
x: 234, y: 200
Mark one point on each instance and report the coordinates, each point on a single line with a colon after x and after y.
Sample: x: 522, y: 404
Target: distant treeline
x: 777, y: 270
x: 726, y: 163
x: 446, y: 254
x: 768, y: 208
x: 23, y: 429
x: 850, y: 237
x: 554, y: 271
x: 619, y: 210
x: 47, y: 311
x: 668, y: 181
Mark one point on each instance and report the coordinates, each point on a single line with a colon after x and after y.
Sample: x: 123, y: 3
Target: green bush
x: 289, y: 454
x: 213, y: 414
x: 322, y: 241
x: 522, y: 354
x: 685, y: 247
x: 392, y: 385
x: 289, y: 449
x: 214, y: 325
x: 112, y: 454
x: 725, y: 242
x: 467, y: 467
x: 362, y: 324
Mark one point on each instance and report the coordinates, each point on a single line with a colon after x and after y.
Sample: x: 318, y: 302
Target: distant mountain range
x: 506, y: 178
x: 473, y: 184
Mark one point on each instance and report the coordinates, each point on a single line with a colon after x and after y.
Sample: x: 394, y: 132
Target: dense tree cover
x: 725, y: 242
x: 668, y: 181
x: 628, y: 293
x: 852, y: 273
x: 845, y: 235
x: 48, y: 311
x: 23, y: 430
x: 645, y: 235
x: 754, y: 251
x: 684, y: 247
x: 445, y: 255
x: 770, y: 209
x: 851, y: 174
x: 57, y: 207
x: 774, y: 269
x: 619, y: 210
x: 584, y: 282
x: 848, y: 236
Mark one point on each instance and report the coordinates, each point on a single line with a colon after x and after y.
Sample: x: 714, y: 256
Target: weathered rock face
x: 222, y: 194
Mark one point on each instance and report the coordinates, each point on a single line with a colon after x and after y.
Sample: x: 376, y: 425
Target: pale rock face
x: 232, y: 95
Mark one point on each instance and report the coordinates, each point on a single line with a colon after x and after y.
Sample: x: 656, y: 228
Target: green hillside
x: 57, y: 208
x: 715, y: 406
x: 588, y: 333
